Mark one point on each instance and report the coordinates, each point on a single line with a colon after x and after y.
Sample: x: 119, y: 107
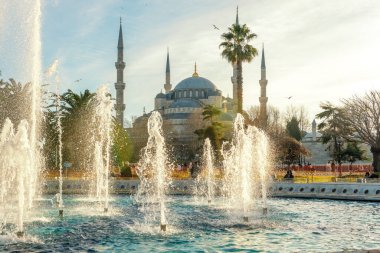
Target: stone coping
x: 338, y: 191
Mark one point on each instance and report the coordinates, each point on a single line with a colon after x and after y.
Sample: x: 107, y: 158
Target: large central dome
x: 195, y: 82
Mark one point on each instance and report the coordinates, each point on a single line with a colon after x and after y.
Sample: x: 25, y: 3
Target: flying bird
x: 289, y: 97
x: 77, y: 81
x: 215, y: 27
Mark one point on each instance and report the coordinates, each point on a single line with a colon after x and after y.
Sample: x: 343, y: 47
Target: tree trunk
x: 376, y: 158
x: 239, y: 80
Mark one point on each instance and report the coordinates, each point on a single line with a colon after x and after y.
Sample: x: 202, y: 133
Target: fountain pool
x: 290, y: 225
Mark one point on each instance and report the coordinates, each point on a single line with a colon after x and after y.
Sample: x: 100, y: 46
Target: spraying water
x: 15, y: 168
x: 262, y: 147
x: 245, y: 166
x: 20, y: 37
x: 52, y: 72
x: 206, y: 180
x: 103, y: 121
x: 154, y: 174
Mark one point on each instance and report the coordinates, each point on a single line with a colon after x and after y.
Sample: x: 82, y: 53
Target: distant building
x: 321, y: 153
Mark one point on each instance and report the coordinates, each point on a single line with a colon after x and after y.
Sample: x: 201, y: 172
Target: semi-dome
x: 161, y: 95
x: 183, y: 103
x: 195, y: 82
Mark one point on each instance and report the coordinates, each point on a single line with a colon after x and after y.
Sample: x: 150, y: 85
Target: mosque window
x: 191, y: 94
x: 180, y: 94
x: 196, y: 93
x: 202, y: 94
x: 185, y: 94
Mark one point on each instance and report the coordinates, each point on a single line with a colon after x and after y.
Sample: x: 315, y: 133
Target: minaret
x: 120, y: 85
x: 234, y: 73
x: 237, y: 15
x: 167, y: 84
x: 314, y: 130
x: 263, y: 94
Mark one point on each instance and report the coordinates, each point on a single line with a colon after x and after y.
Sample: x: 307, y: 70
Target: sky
x: 315, y: 51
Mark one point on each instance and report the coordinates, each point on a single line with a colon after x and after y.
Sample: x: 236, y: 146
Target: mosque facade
x: 181, y: 108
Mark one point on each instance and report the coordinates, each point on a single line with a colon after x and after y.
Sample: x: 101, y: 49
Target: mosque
x: 181, y: 108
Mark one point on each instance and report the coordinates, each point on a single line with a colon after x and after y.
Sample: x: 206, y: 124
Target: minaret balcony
x: 120, y: 65
x: 120, y: 86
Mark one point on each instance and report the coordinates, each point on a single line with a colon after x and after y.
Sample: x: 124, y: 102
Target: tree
x: 15, y: 99
x: 363, y: 115
x: 121, y: 146
x: 210, y: 112
x: 352, y: 153
x: 215, y: 129
x: 300, y: 113
x: 289, y: 150
x: 333, y: 129
x: 78, y: 127
x: 293, y: 130
x: 284, y: 140
x: 50, y: 148
x: 236, y: 50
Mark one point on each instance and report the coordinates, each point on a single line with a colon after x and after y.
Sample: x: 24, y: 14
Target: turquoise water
x: 291, y: 225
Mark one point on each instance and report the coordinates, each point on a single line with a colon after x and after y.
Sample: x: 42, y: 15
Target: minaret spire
x: 237, y: 15
x: 263, y: 94
x: 314, y: 130
x: 167, y: 84
x: 263, y: 59
x: 120, y: 85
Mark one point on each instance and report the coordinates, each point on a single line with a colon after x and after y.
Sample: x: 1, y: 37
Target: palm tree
x: 210, y: 112
x: 78, y: 126
x: 73, y: 103
x: 15, y: 100
x: 236, y: 50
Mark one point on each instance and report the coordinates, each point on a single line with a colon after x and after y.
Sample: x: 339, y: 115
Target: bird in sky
x: 215, y: 27
x: 77, y: 81
x: 289, y: 97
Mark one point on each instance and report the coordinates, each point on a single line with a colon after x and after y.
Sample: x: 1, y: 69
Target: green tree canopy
x: 334, y: 131
x: 293, y: 129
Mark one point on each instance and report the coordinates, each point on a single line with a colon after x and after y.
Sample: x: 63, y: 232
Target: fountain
x: 103, y: 121
x: 53, y: 73
x: 20, y: 155
x: 154, y: 174
x: 205, y: 181
x: 245, y: 167
x: 15, y: 169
